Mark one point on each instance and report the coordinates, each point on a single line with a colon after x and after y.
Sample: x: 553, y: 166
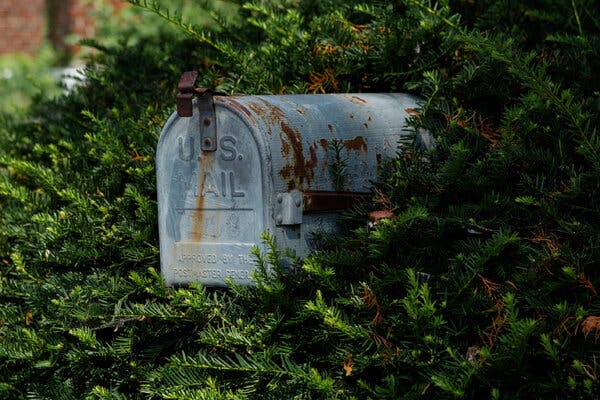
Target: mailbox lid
x: 211, y: 203
x: 301, y: 132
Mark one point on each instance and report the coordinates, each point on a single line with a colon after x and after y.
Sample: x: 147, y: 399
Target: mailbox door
x: 211, y: 203
x: 303, y: 132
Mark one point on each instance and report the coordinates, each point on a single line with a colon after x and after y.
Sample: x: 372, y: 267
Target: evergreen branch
x: 436, y: 14
x: 577, y: 18
x: 334, y: 318
x: 593, y: 18
x: 232, y: 31
x: 259, y: 363
x: 116, y: 324
x: 536, y: 80
x: 154, y: 7
x: 468, y: 266
x: 149, y: 310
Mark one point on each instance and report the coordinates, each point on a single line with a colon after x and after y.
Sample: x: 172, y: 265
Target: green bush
x: 24, y: 80
x: 482, y: 286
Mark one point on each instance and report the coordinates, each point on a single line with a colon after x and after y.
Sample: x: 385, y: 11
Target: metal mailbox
x: 230, y: 167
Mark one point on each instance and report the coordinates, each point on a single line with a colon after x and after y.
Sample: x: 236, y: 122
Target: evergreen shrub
x: 483, y: 285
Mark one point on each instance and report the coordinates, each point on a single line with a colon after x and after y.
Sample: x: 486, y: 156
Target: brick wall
x: 25, y: 24
x: 69, y: 17
x: 22, y: 25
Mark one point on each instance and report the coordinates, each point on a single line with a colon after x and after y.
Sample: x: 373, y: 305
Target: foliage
x: 119, y: 25
x: 24, y: 80
x: 483, y: 285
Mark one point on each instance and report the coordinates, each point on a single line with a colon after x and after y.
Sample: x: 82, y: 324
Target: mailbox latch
x: 288, y: 208
x: 206, y: 109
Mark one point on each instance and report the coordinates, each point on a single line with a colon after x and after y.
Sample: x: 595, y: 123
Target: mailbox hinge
x: 208, y: 120
x: 206, y: 109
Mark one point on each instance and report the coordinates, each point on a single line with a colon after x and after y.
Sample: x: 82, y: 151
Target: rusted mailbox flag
x: 230, y: 168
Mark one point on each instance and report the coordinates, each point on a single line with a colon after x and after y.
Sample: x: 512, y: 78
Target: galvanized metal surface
x: 213, y: 205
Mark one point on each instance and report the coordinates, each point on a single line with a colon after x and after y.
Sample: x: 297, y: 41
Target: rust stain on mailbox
x: 273, y: 112
x: 257, y: 108
x: 297, y: 169
x: 359, y: 143
x: 239, y: 107
x: 269, y: 172
x: 197, y: 218
x: 358, y: 100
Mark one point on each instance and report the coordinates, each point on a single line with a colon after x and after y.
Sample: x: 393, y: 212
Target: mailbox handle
x: 186, y: 86
x: 323, y: 201
x: 290, y: 206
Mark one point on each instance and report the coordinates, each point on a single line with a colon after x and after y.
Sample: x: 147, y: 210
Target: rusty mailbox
x: 231, y: 167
